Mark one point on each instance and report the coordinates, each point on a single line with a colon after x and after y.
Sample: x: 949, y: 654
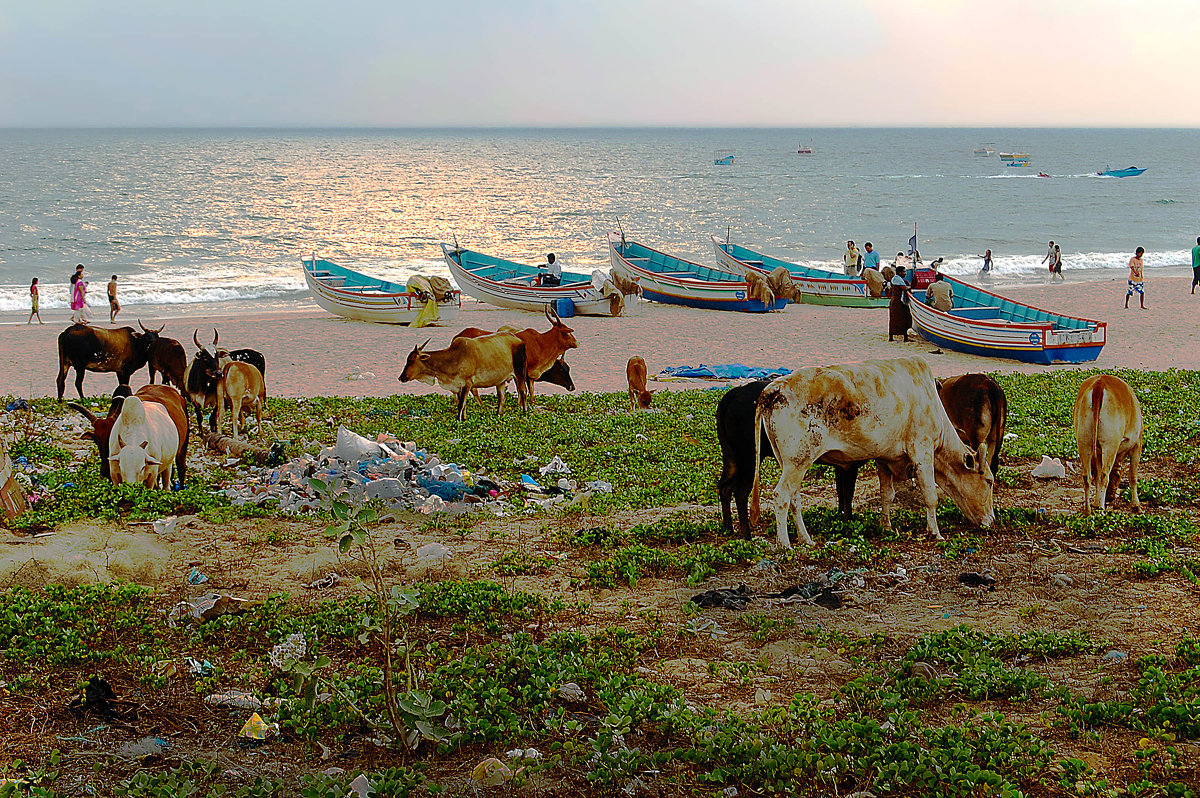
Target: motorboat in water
x: 1128, y: 171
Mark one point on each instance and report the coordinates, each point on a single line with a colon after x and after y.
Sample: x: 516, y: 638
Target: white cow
x: 882, y: 410
x: 142, y: 445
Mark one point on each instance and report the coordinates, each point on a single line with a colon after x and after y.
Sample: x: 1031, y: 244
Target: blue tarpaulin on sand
x: 726, y: 371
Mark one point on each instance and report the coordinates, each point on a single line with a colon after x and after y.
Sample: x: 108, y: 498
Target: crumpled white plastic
x: 1050, y: 468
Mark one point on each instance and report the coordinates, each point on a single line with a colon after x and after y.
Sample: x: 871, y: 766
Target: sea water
x: 218, y: 220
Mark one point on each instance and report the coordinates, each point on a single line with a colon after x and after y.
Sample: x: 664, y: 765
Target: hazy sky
x: 736, y: 63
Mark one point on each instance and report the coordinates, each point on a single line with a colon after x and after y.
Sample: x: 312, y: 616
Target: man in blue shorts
x: 1135, y: 278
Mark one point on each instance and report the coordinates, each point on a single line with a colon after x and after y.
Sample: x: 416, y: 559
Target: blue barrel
x: 565, y: 308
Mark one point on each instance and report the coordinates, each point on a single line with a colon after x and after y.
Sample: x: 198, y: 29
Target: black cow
x: 251, y: 356
x: 167, y: 356
x: 200, y: 381
x: 735, y: 433
x: 86, y: 348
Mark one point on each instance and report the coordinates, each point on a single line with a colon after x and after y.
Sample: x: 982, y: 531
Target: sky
x: 584, y: 63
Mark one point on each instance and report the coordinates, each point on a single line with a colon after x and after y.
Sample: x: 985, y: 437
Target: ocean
x: 216, y: 221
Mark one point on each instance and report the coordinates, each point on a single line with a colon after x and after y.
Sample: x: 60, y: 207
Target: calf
x: 467, y: 363
x: 735, y: 433
x: 1108, y: 425
x: 251, y: 356
x: 978, y: 409
x: 142, y: 443
x: 102, y: 427
x: 627, y: 284
x: 882, y: 410
x: 635, y: 375
x: 240, y: 384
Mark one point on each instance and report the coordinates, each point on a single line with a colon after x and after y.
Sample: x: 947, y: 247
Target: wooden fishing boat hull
x: 674, y: 281
x: 354, y: 295
x: 507, y: 284
x: 1001, y: 327
x: 817, y: 287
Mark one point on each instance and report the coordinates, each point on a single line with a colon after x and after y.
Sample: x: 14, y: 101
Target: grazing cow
x: 559, y: 372
x: 735, y: 433
x: 143, y: 442
x: 627, y: 284
x: 1108, y: 424
x: 635, y: 375
x: 470, y: 363
x: 543, y: 348
x: 167, y: 356
x: 781, y: 284
x: 885, y: 410
x: 200, y: 381
x: 240, y: 384
x: 978, y: 409
x: 87, y: 348
x: 251, y: 356
x: 164, y: 395
x: 758, y: 288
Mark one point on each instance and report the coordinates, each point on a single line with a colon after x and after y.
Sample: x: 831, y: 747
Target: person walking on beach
x: 1135, y: 278
x: 851, y: 260
x: 114, y: 307
x: 870, y: 258
x: 1049, y: 256
x: 1056, y: 261
x: 33, y: 303
x: 987, y: 263
x: 899, y: 316
x: 78, y: 296
x: 1196, y: 265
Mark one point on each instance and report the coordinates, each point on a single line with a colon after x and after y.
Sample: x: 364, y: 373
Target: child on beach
x: 33, y: 302
x: 1135, y: 278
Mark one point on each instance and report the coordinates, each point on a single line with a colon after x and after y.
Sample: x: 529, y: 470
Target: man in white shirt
x: 851, y: 260
x: 553, y: 271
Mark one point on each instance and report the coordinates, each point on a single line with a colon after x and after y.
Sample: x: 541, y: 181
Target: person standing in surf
x: 1049, y: 257
x: 1196, y: 265
x: 1136, y: 282
x: 1056, y: 264
x: 987, y: 263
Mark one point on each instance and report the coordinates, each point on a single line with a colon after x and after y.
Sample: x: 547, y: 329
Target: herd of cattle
x: 144, y: 434
x: 945, y: 433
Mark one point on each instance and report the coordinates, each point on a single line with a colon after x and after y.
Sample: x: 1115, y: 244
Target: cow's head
x: 564, y: 335
x: 967, y: 478
x: 129, y: 457
x: 101, y: 427
x: 146, y: 339
x: 415, y: 368
x: 204, y: 372
x: 559, y: 373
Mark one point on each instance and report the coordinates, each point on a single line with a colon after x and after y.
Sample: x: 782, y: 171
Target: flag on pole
x: 912, y: 244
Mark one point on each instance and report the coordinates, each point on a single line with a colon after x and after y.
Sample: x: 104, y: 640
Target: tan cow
x: 1108, y: 424
x: 875, y: 282
x: 758, y: 288
x: 626, y: 283
x: 781, y: 284
x: 635, y: 375
x: 241, y: 385
x: 882, y: 410
x: 467, y: 363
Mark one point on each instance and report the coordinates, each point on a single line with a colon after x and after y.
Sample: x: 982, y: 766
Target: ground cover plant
x: 1076, y: 672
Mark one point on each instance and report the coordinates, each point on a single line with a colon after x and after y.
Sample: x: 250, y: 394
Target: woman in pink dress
x: 78, y: 298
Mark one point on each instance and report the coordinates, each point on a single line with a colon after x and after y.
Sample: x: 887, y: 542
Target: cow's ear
x: 969, y: 460
x: 87, y: 436
x: 145, y: 445
x: 152, y: 460
x: 982, y: 454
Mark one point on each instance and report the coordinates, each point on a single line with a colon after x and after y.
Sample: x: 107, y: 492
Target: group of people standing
x: 79, y: 288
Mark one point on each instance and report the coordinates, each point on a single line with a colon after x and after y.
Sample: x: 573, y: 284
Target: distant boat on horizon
x: 984, y: 150
x: 804, y: 149
x: 723, y: 158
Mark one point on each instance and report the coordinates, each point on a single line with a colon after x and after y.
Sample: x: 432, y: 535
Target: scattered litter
x: 166, y: 526
x: 572, y: 692
x: 199, y: 668
x: 352, y: 447
x: 361, y: 786
x: 1061, y: 580
x: 147, y: 746
x: 923, y: 670
x: 196, y: 578
x: 205, y: 608
x: 239, y: 699
x: 98, y: 697
x: 432, y: 552
x: 257, y: 729
x: 324, y: 583
x: 731, y: 791
x: 360, y: 375
x: 600, y: 486
x: 529, y: 483
x: 521, y: 462
x: 491, y: 772
x: 567, y: 485
x: 1115, y: 656
x: 16, y: 404
x: 555, y: 466
x: 727, y: 598
x: 975, y: 579
x: 1050, y: 468
x: 524, y: 754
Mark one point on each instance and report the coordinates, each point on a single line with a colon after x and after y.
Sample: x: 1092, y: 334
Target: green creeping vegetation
x: 473, y: 683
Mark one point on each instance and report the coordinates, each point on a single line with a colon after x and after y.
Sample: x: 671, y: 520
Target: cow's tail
x: 759, y: 422
x: 1096, y: 460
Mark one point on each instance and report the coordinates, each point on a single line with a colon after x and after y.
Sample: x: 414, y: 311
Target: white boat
x: 354, y: 295
x: 507, y: 284
x: 984, y: 150
x: 804, y: 149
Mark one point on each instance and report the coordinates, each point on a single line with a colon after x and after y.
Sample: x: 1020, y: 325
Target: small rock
x: 572, y: 692
x: 923, y: 670
x: 1061, y: 580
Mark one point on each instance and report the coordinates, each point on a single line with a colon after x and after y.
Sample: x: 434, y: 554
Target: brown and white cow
x: 142, y: 444
x: 885, y: 410
x: 470, y: 363
x: 1108, y: 425
x: 978, y: 409
x: 102, y: 427
x: 635, y: 375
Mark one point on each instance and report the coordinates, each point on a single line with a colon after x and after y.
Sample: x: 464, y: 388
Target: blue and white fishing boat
x: 1128, y: 171
x: 983, y: 323
x: 507, y: 284
x: 674, y: 281
x: 354, y: 295
x: 816, y: 286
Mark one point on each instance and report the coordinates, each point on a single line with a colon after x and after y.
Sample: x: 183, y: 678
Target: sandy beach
x: 310, y: 352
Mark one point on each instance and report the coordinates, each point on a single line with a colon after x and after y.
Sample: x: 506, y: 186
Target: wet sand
x: 311, y: 353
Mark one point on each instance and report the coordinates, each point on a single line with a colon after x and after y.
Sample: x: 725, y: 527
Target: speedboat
x: 1042, y: 174
x: 1128, y: 171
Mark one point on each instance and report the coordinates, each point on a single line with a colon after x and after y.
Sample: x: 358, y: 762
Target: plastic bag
x: 428, y: 315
